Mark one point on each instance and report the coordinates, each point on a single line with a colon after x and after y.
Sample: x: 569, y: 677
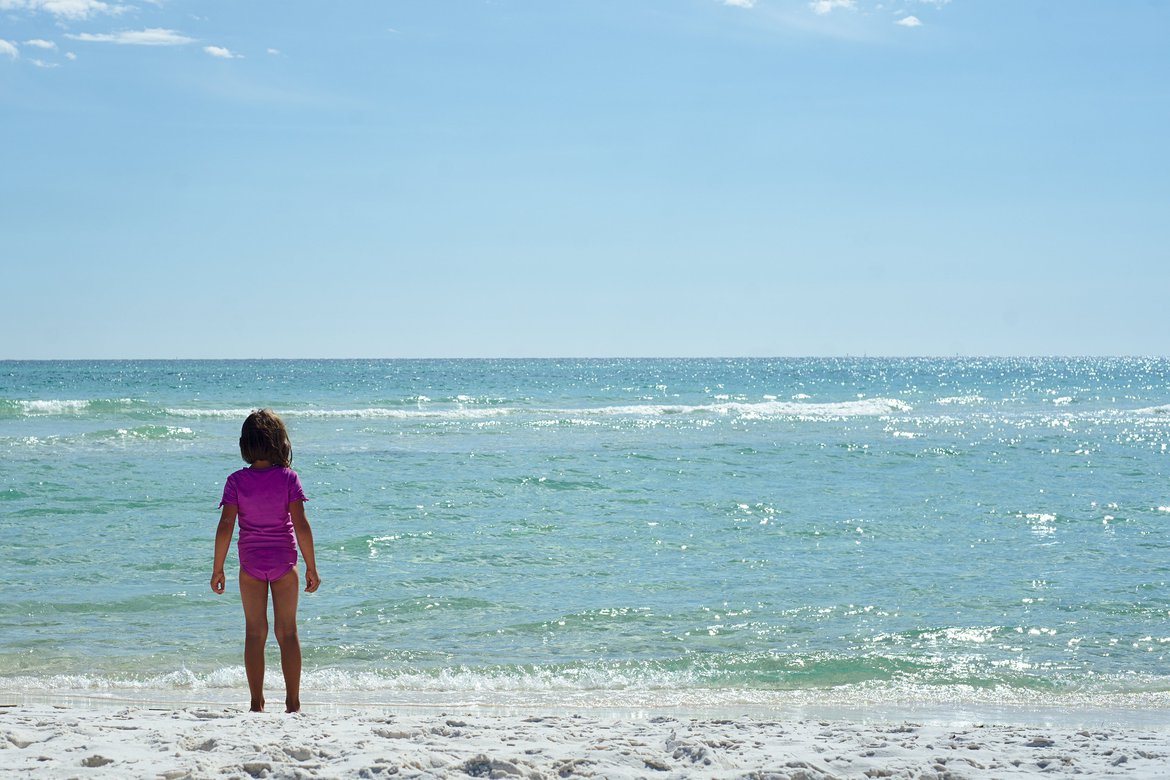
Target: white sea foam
x: 751, y: 411
x: 965, y: 635
x: 374, y: 413
x: 211, y: 413
x: 117, y: 436
x: 53, y: 407
x: 155, y: 432
x: 44, y: 407
x: 599, y: 688
x: 870, y: 407
x: 962, y: 400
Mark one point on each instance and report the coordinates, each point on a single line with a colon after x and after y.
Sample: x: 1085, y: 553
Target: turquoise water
x: 610, y: 530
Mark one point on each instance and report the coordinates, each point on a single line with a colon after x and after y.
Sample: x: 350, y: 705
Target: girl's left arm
x: 305, y: 541
x: 223, y: 540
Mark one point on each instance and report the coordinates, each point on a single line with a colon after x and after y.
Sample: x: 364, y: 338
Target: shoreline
x: 1112, y: 712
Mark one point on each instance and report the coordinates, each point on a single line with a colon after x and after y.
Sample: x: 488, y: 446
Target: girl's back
x: 263, y: 496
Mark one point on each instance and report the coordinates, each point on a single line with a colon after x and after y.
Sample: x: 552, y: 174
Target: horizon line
x: 843, y: 356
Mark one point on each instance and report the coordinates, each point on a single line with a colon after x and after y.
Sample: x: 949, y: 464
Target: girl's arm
x: 305, y: 541
x: 223, y: 540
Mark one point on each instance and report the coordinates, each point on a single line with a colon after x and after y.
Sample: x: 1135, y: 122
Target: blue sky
x: 583, y: 178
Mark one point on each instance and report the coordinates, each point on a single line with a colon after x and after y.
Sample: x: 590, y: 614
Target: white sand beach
x: 46, y: 740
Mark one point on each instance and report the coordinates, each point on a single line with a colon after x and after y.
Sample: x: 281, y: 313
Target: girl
x: 268, y: 499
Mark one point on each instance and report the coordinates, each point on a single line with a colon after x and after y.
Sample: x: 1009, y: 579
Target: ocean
x: 690, y: 532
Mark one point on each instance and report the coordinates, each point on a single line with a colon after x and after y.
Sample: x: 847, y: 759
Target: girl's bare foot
x: 292, y: 706
x: 257, y: 706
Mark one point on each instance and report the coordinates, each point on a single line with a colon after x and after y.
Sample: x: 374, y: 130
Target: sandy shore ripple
x: 53, y: 741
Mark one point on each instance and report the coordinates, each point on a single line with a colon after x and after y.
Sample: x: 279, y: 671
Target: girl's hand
x: 312, y: 580
x: 217, y: 581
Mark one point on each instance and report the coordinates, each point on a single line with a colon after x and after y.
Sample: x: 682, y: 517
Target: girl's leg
x: 284, y: 613
x: 254, y: 594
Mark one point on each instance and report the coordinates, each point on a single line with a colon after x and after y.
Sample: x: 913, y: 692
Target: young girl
x: 268, y: 499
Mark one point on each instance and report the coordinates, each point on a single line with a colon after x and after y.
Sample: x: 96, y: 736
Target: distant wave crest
x: 422, y: 409
x: 37, y: 407
x: 758, y: 411
x: 869, y: 407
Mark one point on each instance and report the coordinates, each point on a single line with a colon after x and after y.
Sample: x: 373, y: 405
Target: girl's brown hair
x: 264, y: 437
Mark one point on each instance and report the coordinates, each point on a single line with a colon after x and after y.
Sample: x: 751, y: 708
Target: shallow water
x: 848, y: 529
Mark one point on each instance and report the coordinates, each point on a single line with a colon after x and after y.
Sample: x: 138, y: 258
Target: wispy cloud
x: 41, y: 44
x: 8, y: 49
x: 740, y: 3
x: 909, y: 21
x: 65, y: 9
x: 222, y: 53
x: 70, y: 56
x: 823, y: 7
x: 152, y: 36
x: 43, y: 64
x: 274, y: 52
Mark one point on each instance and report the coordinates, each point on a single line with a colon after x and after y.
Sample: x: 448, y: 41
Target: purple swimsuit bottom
x: 267, y: 544
x: 268, y: 563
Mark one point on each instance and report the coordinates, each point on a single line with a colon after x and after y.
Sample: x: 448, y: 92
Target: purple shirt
x: 262, y: 497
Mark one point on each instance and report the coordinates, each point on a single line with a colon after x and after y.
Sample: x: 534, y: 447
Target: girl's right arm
x: 223, y: 540
x: 304, y: 535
